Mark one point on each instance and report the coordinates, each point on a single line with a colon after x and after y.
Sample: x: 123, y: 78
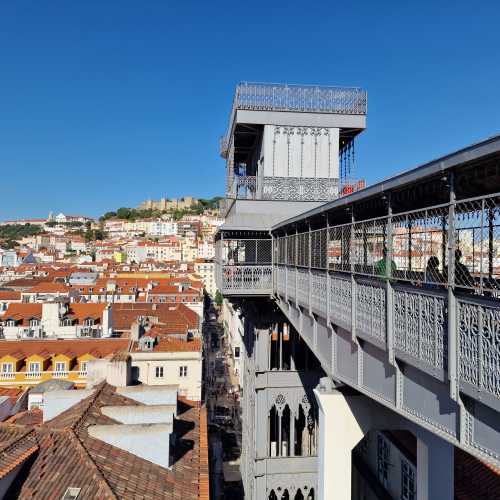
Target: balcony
x: 89, y: 331
x: 7, y: 375
x: 33, y: 375
x: 60, y: 374
x: 243, y: 266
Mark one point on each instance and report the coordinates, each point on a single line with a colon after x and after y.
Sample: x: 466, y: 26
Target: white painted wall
x: 300, y: 152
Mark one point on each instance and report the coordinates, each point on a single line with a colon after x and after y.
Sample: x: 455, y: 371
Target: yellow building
x: 119, y: 257
x: 25, y: 363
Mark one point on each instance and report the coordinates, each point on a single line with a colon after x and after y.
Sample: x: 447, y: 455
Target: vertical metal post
x: 490, y: 243
x: 453, y: 349
x: 409, y: 244
x: 353, y: 280
x: 480, y: 249
x: 285, y: 238
x: 273, y: 284
x: 310, y: 272
x: 327, y: 244
x: 480, y: 356
x: 389, y: 288
x: 295, y: 263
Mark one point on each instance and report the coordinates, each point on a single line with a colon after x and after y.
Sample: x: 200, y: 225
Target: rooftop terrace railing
x: 294, y: 98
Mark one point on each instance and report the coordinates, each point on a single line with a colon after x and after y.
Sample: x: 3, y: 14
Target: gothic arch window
x: 280, y: 429
x: 272, y: 496
x: 306, y: 429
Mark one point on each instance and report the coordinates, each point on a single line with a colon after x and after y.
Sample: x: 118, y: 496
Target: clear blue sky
x: 106, y: 103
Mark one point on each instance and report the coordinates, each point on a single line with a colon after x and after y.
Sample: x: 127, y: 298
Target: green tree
x: 123, y: 213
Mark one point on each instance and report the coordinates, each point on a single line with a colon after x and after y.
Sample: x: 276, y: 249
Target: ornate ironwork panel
x: 340, y: 301
x: 300, y: 98
x: 299, y: 188
x: 318, y: 291
x: 280, y: 279
x: 420, y: 326
x: 291, y: 281
x: 371, y: 310
x: 479, y: 339
x: 303, y: 286
x: 247, y: 279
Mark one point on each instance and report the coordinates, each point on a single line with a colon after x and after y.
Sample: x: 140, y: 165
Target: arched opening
x: 306, y: 431
x: 280, y: 431
x: 272, y: 496
x: 273, y: 432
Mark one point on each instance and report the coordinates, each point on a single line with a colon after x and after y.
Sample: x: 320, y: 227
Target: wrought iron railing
x: 244, y: 265
x: 246, y: 280
x: 296, y: 98
x: 394, y: 280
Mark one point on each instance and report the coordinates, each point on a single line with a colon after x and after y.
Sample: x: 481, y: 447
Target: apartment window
x: 408, y: 483
x: 236, y: 352
x: 383, y: 453
x: 91, y: 290
x: 159, y: 372
x: 162, y: 300
x: 7, y: 367
x: 83, y: 366
x: 183, y: 371
x: 35, y: 367
x: 60, y: 366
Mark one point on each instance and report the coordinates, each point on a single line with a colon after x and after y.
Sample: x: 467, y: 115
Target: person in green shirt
x: 381, y: 266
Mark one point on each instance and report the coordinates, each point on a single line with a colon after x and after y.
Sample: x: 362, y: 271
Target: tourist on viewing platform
x: 381, y: 266
x: 462, y: 276
x: 432, y: 272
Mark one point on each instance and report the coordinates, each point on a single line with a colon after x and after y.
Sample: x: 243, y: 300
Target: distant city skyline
x: 107, y: 105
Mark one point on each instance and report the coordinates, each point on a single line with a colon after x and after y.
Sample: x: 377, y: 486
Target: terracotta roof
x: 13, y: 394
x: 168, y: 315
x: 23, y: 312
x: 171, y: 290
x: 66, y: 456
x: 86, y: 310
x: 48, y: 287
x: 10, y: 295
x: 166, y: 344
x: 27, y: 417
x: 98, y: 347
x: 25, y: 283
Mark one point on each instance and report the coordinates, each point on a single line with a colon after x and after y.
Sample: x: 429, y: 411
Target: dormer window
x: 35, y: 367
x: 89, y: 322
x: 34, y: 322
x: 66, y: 322
x: 10, y: 322
x: 60, y: 366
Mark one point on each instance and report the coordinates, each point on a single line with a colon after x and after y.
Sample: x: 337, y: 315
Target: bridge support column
x: 435, y: 468
x: 339, y: 432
